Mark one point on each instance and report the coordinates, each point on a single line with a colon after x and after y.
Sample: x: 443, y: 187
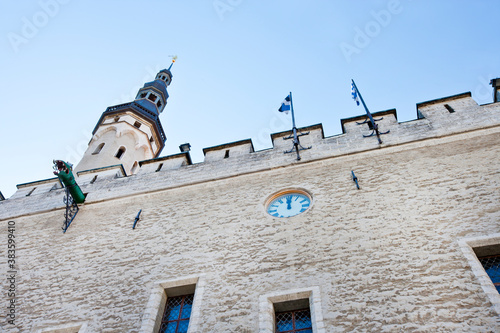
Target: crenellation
x: 436, y: 108
x: 227, y: 150
x: 163, y: 164
x: 36, y: 188
x: 353, y: 124
x: 86, y: 177
x: 438, y: 121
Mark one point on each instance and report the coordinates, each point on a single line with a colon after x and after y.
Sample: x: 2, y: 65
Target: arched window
x: 98, y: 149
x: 120, y: 152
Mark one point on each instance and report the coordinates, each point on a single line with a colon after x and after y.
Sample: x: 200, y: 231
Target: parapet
x: 166, y: 163
x: 436, y: 118
x: 37, y: 187
x: 227, y: 150
x: 90, y: 176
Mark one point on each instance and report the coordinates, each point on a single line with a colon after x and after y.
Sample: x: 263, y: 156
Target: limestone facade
x: 397, y: 255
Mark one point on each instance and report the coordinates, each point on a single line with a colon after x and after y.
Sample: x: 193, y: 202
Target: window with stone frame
x: 491, y: 265
x: 290, y: 311
x: 157, y: 312
x: 294, y: 321
x: 177, y: 314
x: 483, y: 256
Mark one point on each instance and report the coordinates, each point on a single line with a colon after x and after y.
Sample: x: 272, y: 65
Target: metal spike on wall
x: 137, y: 219
x: 355, y: 179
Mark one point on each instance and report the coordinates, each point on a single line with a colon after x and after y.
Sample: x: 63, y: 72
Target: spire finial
x: 174, y: 58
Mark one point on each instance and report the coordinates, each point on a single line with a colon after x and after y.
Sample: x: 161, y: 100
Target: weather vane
x: 174, y: 58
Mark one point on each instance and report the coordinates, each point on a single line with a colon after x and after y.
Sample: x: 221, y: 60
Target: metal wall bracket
x: 296, y: 143
x: 374, y: 127
x: 71, y: 210
x: 355, y: 179
x: 137, y: 218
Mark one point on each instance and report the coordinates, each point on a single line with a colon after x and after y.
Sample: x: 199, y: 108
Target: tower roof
x: 167, y: 71
x: 158, y: 84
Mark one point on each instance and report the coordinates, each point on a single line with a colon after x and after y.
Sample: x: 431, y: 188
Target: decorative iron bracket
x: 374, y: 127
x: 296, y: 143
x: 71, y: 210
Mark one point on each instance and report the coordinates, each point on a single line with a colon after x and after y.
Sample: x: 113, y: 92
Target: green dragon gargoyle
x: 63, y: 172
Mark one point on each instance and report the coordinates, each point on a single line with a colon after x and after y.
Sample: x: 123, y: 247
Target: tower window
x: 158, y: 104
x: 152, y: 97
x: 137, y: 124
x: 120, y: 152
x: 159, y: 167
x: 143, y: 95
x: 151, y: 139
x: 98, y: 149
x: 93, y: 179
x: 116, y: 119
x: 226, y: 155
x: 30, y: 192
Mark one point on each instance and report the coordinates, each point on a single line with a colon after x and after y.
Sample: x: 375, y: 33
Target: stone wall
x: 385, y: 258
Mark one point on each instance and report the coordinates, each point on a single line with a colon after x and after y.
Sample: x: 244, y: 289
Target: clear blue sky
x: 64, y: 62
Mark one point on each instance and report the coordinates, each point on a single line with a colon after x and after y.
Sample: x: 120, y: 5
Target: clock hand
x: 289, y: 202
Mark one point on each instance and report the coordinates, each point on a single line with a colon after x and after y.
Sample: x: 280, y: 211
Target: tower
x: 131, y: 132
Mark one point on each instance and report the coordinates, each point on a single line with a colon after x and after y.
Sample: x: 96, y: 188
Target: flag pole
x: 293, y: 115
x: 372, y: 121
x: 296, y: 144
x: 294, y: 130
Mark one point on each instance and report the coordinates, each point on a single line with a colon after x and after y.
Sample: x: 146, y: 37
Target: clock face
x: 289, y: 203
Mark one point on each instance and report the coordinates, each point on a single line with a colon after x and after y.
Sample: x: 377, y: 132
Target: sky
x: 63, y: 62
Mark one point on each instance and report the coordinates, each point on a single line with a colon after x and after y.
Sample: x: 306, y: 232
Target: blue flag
x: 285, y: 106
x: 354, y: 93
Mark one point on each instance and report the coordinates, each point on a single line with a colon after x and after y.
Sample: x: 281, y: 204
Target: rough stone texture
x: 386, y: 258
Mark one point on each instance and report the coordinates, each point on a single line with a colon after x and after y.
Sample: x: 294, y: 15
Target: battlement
x: 227, y: 150
x: 438, y: 118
